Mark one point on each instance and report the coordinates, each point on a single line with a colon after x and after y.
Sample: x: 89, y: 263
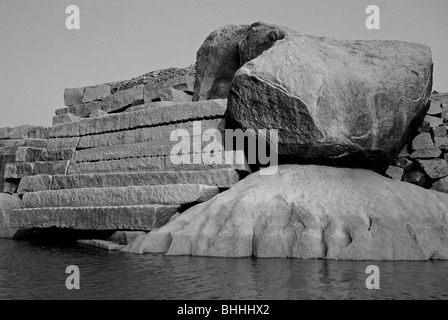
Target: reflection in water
x: 30, y: 270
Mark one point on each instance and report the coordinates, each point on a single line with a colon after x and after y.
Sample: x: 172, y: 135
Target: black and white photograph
x: 223, y: 157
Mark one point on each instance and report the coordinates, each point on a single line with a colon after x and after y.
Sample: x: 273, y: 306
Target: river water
x: 36, y: 270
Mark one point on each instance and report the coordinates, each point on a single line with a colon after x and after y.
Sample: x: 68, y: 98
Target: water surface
x: 36, y: 270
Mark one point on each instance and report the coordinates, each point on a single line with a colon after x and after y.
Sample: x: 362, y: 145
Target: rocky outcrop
x: 308, y: 211
x: 335, y: 101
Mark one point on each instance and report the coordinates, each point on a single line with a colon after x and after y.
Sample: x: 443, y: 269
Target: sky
x: 118, y: 39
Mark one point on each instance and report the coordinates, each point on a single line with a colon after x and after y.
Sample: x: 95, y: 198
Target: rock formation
x: 334, y: 101
x: 344, y: 103
x: 281, y: 79
x: 308, y: 211
x: 108, y: 166
x: 111, y: 160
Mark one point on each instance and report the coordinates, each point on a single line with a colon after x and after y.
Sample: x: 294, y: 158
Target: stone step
x: 126, y: 165
x: 162, y: 163
x: 162, y: 147
x: 101, y: 244
x: 15, y: 143
x: 35, y: 183
x: 120, y: 196
x: 142, y: 118
x: 63, y: 143
x: 29, y: 132
x: 64, y: 118
x: 51, y: 167
x: 28, y: 154
x: 111, y: 103
x: 18, y: 170
x: 221, y: 178
x: 157, y: 133
x: 145, y: 218
x: 130, y: 136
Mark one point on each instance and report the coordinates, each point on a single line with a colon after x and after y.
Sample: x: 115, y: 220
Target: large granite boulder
x: 309, y: 211
x: 217, y: 62
x: 7, y: 204
x: 333, y: 101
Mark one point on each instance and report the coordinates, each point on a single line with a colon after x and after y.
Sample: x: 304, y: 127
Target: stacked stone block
x: 424, y: 161
x: 110, y: 167
x: 99, y: 100
x: 12, y: 140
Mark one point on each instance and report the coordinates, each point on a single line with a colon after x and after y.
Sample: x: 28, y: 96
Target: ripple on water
x: 30, y: 270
